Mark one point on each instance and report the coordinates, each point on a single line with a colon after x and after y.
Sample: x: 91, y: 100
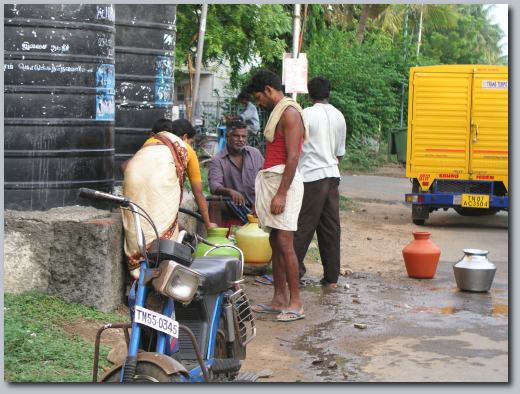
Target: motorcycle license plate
x: 474, y: 201
x: 156, y: 321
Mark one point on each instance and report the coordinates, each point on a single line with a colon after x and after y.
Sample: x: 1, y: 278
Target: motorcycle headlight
x: 177, y: 281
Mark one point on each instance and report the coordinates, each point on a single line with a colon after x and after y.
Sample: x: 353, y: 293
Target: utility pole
x: 198, y: 61
x: 296, y: 35
x: 405, y: 50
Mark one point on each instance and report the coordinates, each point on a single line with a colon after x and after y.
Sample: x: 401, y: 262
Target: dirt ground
x: 369, y: 233
x: 407, y: 325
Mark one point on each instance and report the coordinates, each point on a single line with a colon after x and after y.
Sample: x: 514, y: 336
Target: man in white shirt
x: 318, y: 165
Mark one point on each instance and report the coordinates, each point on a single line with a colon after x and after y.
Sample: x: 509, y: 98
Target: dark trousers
x: 320, y: 214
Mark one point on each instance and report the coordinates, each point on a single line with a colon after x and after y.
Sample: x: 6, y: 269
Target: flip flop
x: 264, y: 279
x: 263, y: 308
x: 287, y: 316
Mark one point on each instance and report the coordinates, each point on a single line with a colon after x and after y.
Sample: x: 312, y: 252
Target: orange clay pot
x: 421, y: 256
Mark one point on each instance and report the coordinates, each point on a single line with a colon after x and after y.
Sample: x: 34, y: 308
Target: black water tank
x: 59, y: 103
x: 145, y: 59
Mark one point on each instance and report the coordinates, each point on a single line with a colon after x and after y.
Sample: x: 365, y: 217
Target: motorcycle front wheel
x: 145, y: 373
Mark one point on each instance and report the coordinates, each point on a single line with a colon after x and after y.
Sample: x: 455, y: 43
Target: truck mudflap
x: 441, y: 200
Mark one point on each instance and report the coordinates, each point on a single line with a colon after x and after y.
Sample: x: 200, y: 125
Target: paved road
x: 373, y: 187
x: 455, y: 232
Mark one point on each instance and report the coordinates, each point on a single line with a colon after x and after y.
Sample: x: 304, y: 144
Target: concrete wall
x: 74, y: 252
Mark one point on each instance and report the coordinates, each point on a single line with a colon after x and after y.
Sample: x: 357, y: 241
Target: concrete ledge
x: 74, y: 252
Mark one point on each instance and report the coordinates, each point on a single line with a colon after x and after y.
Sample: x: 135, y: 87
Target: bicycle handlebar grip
x: 97, y: 195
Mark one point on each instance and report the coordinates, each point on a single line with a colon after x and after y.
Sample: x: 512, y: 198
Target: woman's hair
x: 162, y: 125
x: 183, y: 126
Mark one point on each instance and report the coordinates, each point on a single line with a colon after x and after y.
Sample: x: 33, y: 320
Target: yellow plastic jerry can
x: 254, y: 242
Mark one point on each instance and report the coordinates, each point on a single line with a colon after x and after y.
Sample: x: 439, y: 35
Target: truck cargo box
x: 457, y: 139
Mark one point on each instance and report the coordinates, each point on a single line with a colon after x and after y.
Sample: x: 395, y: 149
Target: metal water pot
x: 474, y: 272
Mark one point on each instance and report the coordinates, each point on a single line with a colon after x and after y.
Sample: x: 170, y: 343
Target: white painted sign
x: 294, y: 74
x: 175, y: 112
x: 494, y: 84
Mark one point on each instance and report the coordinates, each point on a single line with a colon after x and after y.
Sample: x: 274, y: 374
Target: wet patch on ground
x: 432, y: 318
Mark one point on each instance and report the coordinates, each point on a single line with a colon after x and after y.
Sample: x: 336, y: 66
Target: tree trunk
x: 362, y: 23
x: 189, y: 93
x: 419, y: 35
x: 198, y: 61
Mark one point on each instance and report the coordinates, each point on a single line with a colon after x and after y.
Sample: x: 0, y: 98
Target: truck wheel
x: 419, y: 212
x: 419, y: 222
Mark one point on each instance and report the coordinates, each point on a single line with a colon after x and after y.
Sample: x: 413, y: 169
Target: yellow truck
x: 457, y: 140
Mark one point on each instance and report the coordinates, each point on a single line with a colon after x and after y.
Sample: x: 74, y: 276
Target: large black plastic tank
x: 145, y: 59
x: 59, y: 86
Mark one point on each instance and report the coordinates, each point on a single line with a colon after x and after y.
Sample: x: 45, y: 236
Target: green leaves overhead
x: 472, y: 40
x: 366, y: 50
x: 238, y: 33
x: 364, y: 78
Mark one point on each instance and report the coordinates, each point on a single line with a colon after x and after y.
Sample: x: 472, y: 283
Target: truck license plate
x: 475, y: 201
x: 156, y: 321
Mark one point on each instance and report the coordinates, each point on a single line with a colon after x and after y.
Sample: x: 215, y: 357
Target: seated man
x: 232, y: 173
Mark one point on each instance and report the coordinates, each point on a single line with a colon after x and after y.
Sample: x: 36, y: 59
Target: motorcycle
x: 190, y: 318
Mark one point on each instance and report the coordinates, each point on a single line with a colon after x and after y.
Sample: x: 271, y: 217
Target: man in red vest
x: 279, y: 191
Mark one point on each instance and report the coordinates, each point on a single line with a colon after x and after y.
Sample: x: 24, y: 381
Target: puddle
x: 315, y: 289
x: 500, y: 310
x: 496, y: 310
x: 322, y: 359
x: 448, y: 310
x: 334, y: 349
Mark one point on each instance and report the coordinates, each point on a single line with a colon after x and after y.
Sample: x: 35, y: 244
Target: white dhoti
x: 266, y: 185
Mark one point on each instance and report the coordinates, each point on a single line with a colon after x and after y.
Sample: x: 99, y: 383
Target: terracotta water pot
x: 421, y: 256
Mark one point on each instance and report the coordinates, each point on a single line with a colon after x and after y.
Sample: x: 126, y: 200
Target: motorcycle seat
x: 218, y: 272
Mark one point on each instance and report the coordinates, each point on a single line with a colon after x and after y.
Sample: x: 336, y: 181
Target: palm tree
x: 488, y: 34
x: 340, y: 14
x: 369, y: 11
x: 437, y: 16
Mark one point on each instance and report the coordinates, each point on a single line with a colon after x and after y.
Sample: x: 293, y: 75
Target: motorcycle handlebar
x: 197, y: 216
x: 97, y: 195
x: 218, y: 198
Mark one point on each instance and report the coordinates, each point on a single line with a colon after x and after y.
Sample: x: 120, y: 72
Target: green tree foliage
x: 238, y: 33
x: 364, y: 78
x: 474, y: 39
x: 365, y: 50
